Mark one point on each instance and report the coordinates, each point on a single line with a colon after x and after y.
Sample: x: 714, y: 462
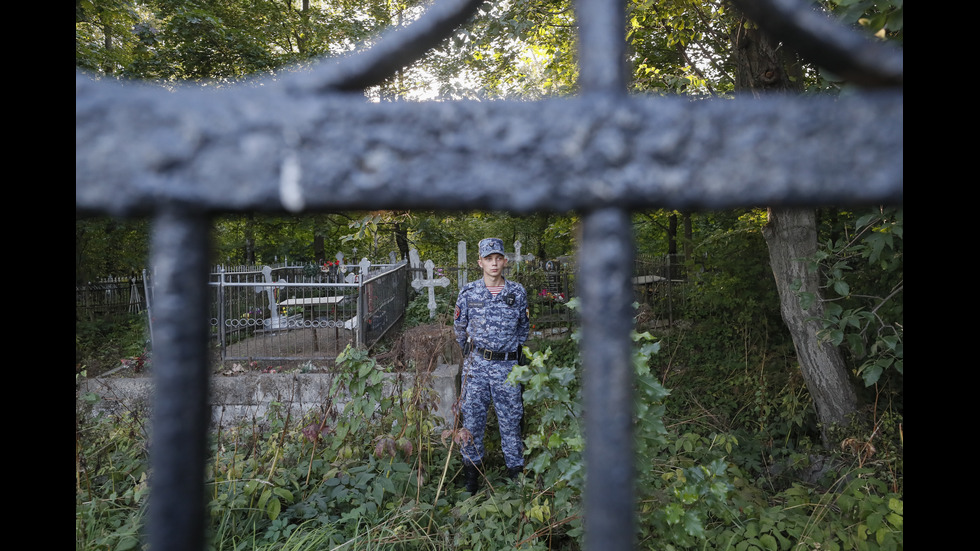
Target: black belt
x: 496, y: 356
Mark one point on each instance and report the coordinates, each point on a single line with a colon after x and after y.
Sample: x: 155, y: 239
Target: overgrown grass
x: 368, y: 469
x: 101, y: 345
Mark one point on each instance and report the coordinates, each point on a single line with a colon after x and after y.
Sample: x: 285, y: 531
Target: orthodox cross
x: 430, y: 282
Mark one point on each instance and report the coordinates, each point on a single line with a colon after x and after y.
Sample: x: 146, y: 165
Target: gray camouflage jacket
x: 499, y: 323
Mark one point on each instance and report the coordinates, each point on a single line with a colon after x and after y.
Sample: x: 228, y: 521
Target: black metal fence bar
x: 381, y: 303
x: 109, y: 298
x: 181, y: 413
x: 632, y: 152
x: 606, y: 266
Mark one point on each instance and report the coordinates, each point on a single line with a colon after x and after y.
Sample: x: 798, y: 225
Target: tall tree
x: 765, y: 66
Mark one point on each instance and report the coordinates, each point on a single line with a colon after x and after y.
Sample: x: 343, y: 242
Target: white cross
x: 341, y: 267
x: 362, y: 274
x: 273, y: 322
x: 518, y: 258
x: 431, y: 283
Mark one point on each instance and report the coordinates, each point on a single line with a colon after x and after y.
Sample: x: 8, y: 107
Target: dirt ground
x: 315, y: 344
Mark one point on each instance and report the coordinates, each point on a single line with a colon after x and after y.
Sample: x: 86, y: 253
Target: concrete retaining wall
x: 247, y: 396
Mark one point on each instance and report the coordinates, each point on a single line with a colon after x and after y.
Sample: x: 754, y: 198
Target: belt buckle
x: 487, y: 354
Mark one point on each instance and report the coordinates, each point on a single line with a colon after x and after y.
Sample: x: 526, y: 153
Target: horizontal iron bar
x: 138, y: 148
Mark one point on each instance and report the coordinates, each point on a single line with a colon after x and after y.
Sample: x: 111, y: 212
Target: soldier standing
x: 491, y: 325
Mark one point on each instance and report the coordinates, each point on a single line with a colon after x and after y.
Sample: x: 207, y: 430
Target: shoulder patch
x: 457, y: 313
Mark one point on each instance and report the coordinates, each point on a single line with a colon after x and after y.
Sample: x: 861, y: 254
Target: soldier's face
x: 493, y: 264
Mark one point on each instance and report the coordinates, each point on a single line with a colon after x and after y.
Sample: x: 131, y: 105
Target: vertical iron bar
x: 606, y: 264
x: 361, y: 311
x: 602, y: 46
x: 148, y: 291
x: 180, y: 406
x: 221, y: 315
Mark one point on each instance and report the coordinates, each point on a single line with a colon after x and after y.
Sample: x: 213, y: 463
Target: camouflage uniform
x: 491, y: 324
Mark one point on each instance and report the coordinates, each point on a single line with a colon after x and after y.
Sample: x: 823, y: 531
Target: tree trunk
x: 249, y: 230
x: 688, y: 237
x: 767, y: 67
x: 791, y: 235
x: 319, y: 248
x: 764, y: 65
x: 401, y: 240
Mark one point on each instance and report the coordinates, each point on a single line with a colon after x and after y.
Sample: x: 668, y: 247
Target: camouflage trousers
x: 485, y: 382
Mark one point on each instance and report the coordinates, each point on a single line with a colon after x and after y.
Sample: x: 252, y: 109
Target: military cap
x: 490, y: 246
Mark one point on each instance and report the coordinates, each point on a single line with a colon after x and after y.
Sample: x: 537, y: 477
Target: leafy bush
x: 864, y: 274
x: 417, y: 311
x: 111, y: 468
x: 101, y: 345
x: 368, y: 469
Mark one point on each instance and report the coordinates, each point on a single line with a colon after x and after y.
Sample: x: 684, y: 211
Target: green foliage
x: 110, y: 247
x: 734, y: 282
x: 264, y: 239
x: 861, y: 515
x: 365, y: 469
x: 111, y: 468
x: 166, y: 40
x: 102, y: 345
x: 680, y: 47
x: 881, y: 18
x: 681, y: 486
x: 417, y: 311
x: 358, y: 458
x: 733, y: 355
x: 864, y: 275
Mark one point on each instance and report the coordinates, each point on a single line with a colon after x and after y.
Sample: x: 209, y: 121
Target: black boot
x: 471, y: 477
x: 514, y: 473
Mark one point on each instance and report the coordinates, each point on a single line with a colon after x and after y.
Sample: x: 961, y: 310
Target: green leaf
x: 874, y: 521
x: 867, y: 218
x: 274, y: 508
x: 870, y: 373
x: 283, y: 493
x: 836, y: 336
x: 856, y: 344
x: 892, y: 341
x: 365, y: 369
x: 264, y: 498
x: 673, y: 513
x: 766, y: 541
